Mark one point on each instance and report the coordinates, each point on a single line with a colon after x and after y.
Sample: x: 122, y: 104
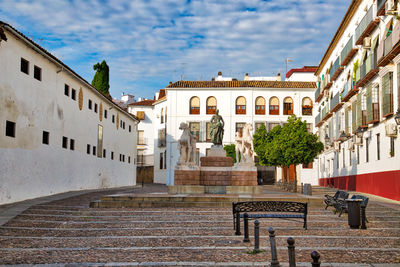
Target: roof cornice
x: 342, y: 27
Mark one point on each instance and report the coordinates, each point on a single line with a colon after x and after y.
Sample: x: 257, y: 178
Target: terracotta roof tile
x: 146, y: 102
x: 232, y: 84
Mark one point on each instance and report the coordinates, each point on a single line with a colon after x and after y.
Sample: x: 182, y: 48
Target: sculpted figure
x: 217, y: 128
x: 186, y: 146
x: 244, y: 145
x: 238, y: 147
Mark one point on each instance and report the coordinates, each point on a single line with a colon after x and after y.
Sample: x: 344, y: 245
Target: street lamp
x: 359, y: 132
x: 397, y: 117
x: 342, y: 137
x: 327, y: 139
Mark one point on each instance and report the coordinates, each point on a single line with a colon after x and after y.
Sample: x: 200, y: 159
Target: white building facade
x: 58, y: 133
x: 239, y: 102
x: 357, y: 96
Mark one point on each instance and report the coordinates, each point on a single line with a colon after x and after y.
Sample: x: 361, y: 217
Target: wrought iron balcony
x: 335, y: 103
x: 348, y: 52
x: 317, y: 119
x: 368, y: 70
x: 318, y: 91
x: 390, y: 47
x: 336, y: 69
x: 366, y: 25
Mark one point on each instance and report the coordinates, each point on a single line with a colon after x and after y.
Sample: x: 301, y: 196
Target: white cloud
x: 145, y: 40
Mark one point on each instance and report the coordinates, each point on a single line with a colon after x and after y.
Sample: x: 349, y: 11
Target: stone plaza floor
x: 64, y: 231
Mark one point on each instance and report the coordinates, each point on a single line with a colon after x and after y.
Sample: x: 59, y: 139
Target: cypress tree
x: 101, y: 78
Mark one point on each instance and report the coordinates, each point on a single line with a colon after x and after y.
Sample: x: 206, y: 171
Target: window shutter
x: 346, y: 121
x: 369, y: 103
x: 337, y: 132
x: 359, y: 110
x: 354, y: 116
x: 387, y: 94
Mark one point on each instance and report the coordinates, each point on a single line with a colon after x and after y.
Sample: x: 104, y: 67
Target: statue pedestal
x: 244, y: 175
x: 187, y: 175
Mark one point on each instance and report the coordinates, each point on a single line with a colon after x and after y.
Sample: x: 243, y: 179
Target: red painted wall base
x: 384, y: 184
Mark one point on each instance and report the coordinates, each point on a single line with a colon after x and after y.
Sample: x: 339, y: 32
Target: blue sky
x: 148, y: 43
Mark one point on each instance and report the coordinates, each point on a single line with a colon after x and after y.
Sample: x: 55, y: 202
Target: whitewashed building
x: 57, y: 132
x: 304, y: 74
x: 357, y: 96
x: 239, y: 102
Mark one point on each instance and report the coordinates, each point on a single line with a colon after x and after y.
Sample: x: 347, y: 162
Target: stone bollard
x: 246, y: 227
x: 315, y: 256
x: 237, y: 232
x: 256, y: 236
x: 274, y: 256
x: 291, y: 252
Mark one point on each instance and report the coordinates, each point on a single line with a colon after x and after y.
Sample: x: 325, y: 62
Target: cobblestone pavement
x: 67, y: 231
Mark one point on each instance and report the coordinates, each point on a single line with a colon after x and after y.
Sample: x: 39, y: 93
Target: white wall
x: 31, y: 169
x: 178, y: 111
x: 160, y: 172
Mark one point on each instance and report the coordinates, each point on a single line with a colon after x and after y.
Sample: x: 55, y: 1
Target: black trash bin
x: 354, y: 213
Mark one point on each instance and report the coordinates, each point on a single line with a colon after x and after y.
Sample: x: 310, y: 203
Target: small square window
x: 104, y: 153
x: 105, y: 113
x: 112, y: 155
x: 73, y: 94
x: 37, y: 73
x: 88, y: 149
x: 129, y: 128
x: 129, y: 159
x: 65, y: 142
x: 66, y: 90
x: 90, y: 104
x: 25, y: 66
x: 10, y: 128
x: 123, y: 124
x: 45, y: 138
x: 72, y: 144
x: 95, y: 107
x: 120, y: 157
x: 120, y: 124
x: 113, y: 118
x: 94, y: 151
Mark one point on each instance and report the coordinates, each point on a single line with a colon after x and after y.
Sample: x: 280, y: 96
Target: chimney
x: 213, y: 79
x: 278, y: 77
x: 219, y: 73
x: 246, y: 77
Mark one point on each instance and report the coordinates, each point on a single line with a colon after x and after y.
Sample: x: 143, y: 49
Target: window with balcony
x: 274, y: 106
x: 372, y: 96
x: 162, y: 116
x: 260, y: 106
x: 141, y: 140
x: 211, y: 105
x: 387, y: 94
x: 306, y: 106
x: 194, y: 128
x: 195, y: 105
x: 162, y: 137
x: 240, y: 105
x: 288, y: 106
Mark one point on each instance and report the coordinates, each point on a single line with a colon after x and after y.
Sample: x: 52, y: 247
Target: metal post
x: 274, y: 256
x: 302, y: 188
x: 315, y: 256
x: 237, y: 232
x: 246, y: 227
x: 292, y: 256
x: 363, y: 218
x: 256, y: 236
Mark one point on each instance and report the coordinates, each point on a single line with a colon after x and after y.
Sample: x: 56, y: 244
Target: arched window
x: 240, y: 105
x: 274, y: 106
x: 195, y: 105
x: 260, y: 105
x: 211, y: 105
x: 288, y: 106
x: 162, y: 115
x: 306, y: 106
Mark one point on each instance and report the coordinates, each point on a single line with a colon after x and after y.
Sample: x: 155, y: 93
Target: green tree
x: 101, y: 78
x: 287, y: 145
x: 230, y: 151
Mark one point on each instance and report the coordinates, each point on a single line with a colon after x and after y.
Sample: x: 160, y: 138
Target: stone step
x: 146, y: 201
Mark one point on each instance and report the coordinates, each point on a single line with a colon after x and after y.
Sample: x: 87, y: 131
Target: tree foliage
x: 101, y: 78
x: 287, y: 145
x: 230, y: 151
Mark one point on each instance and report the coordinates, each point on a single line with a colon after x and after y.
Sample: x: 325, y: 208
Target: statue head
x: 217, y: 111
x: 183, y: 126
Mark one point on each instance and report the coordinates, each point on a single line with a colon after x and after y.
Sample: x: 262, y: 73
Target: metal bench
x: 339, y: 196
x: 267, y: 209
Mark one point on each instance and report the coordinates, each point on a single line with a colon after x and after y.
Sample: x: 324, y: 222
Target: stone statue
x: 244, y: 145
x: 217, y: 128
x: 186, y: 146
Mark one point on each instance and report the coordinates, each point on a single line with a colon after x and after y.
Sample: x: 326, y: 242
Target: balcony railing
x: 318, y: 91
x: 367, y: 25
x: 348, y: 52
x: 373, y: 113
x: 345, y: 90
x: 368, y: 70
x: 358, y: 74
x: 336, y: 69
x: 334, y: 101
x: 390, y: 47
x: 143, y: 141
x: 317, y: 119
